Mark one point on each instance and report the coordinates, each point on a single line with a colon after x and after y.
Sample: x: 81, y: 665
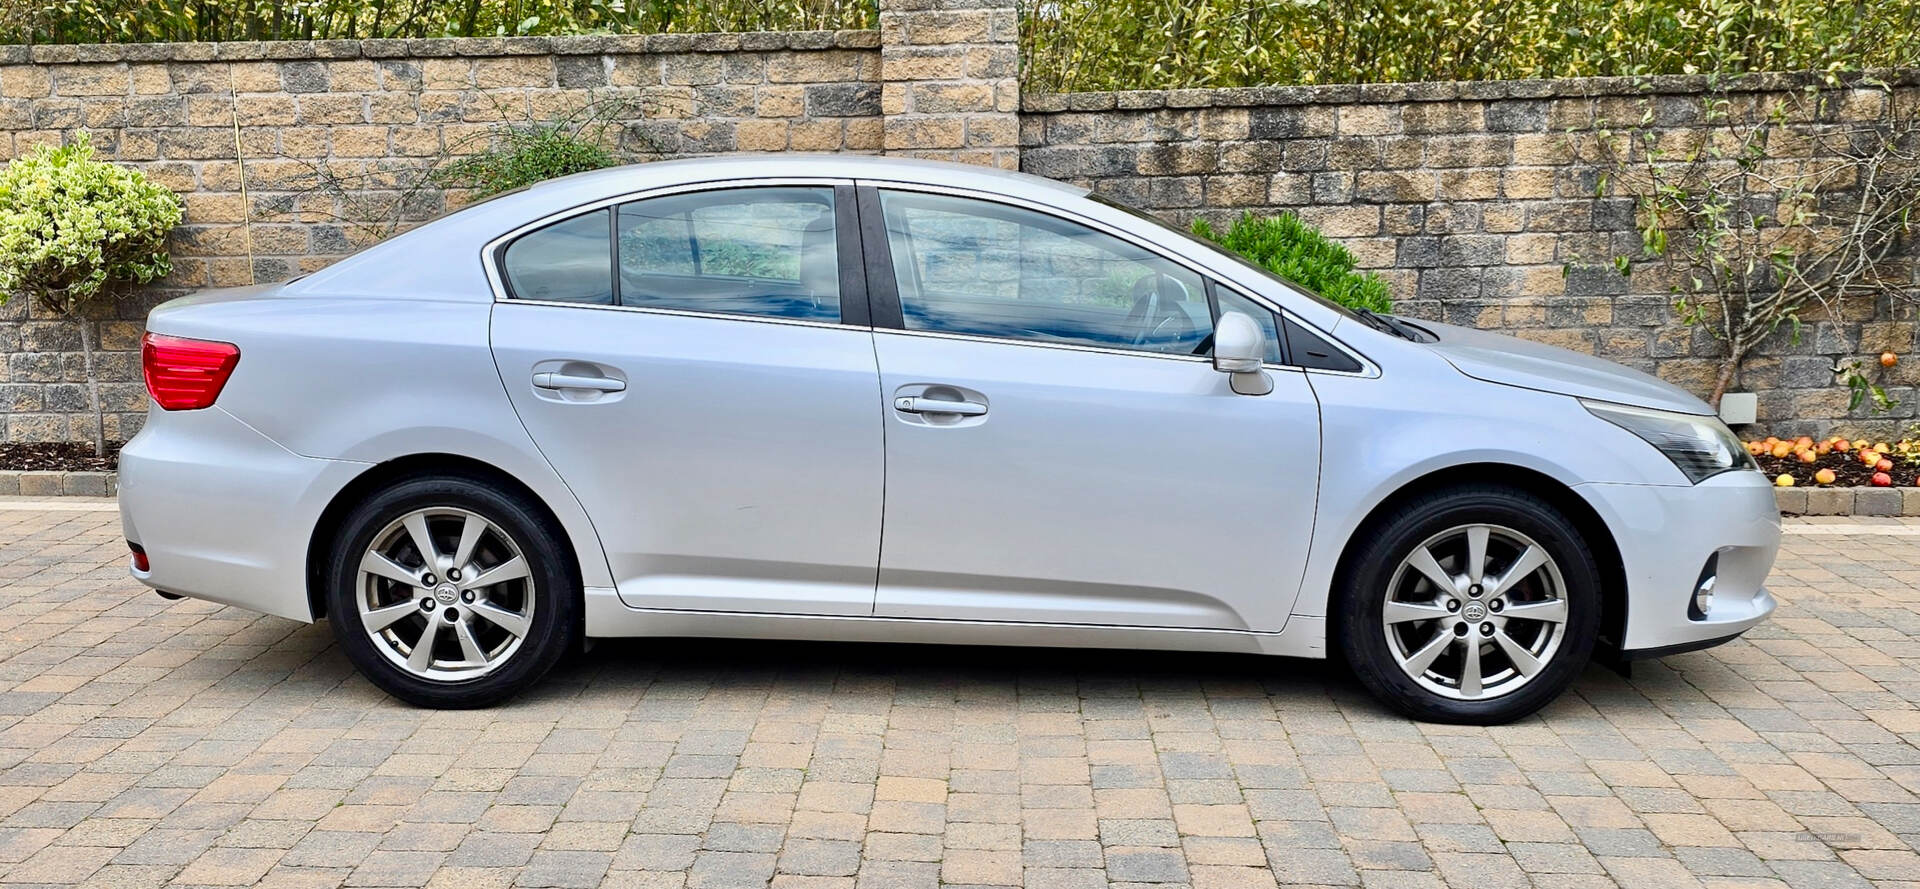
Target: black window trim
x: 855, y: 308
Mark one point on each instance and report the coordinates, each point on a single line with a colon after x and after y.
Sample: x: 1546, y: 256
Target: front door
x: 685, y: 364
x: 1058, y: 445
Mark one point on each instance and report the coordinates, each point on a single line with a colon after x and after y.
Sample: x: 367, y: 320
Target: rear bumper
x: 223, y: 512
x: 1667, y: 533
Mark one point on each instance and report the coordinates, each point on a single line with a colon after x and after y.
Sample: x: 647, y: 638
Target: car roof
x: 580, y: 187
x: 451, y: 243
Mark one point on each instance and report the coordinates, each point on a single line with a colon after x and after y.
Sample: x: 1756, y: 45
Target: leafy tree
x: 1764, y: 220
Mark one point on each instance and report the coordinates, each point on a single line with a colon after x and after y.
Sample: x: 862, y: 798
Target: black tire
x: 1363, y: 588
x: 552, y: 582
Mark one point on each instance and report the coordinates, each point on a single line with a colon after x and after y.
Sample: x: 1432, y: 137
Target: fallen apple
x: 1869, y: 456
x: 1783, y: 480
x: 1888, y: 359
x: 1807, y: 455
x: 1824, y: 476
x: 1885, y: 465
x: 1882, y: 480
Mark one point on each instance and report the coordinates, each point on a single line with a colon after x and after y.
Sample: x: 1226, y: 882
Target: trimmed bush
x: 70, y: 224
x: 1296, y: 251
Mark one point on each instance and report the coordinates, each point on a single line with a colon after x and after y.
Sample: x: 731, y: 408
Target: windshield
x: 1237, y: 259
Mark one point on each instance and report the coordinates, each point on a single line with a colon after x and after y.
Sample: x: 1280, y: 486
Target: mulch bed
x: 57, y: 456
x: 1847, y: 468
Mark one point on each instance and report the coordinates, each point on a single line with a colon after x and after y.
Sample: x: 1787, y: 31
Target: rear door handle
x: 552, y: 380
x: 915, y: 405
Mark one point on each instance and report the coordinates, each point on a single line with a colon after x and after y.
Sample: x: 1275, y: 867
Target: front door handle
x: 908, y: 404
x: 552, y: 380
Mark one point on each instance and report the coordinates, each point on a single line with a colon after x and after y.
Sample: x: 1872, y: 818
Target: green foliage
x: 1296, y: 251
x: 1157, y: 44
x: 521, y: 154
x: 141, y: 21
x: 70, y: 224
x: 1860, y: 388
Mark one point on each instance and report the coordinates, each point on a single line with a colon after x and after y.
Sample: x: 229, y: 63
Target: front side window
x: 976, y: 267
x: 747, y: 251
x: 568, y: 261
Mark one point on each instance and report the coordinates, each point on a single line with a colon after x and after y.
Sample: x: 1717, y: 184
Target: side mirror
x: 1240, y: 349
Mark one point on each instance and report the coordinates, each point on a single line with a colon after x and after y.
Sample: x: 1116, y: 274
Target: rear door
x: 698, y: 367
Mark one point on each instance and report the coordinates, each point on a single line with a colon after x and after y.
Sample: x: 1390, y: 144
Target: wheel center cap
x: 446, y: 593
x: 1473, y: 611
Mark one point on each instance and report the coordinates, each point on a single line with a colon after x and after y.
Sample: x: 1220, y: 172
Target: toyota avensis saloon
x: 860, y: 398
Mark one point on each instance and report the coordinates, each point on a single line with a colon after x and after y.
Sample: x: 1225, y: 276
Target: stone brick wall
x: 1478, y: 203
x: 950, y: 88
x: 290, y: 155
x: 1471, y: 198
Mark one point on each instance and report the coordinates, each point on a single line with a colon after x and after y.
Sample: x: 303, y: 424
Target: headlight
x: 1702, y: 447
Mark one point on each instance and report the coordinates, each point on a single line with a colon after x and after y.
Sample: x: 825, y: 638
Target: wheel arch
x: 381, y: 475
x: 1599, y: 538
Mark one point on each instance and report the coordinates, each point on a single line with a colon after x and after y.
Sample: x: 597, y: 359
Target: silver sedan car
x: 870, y: 399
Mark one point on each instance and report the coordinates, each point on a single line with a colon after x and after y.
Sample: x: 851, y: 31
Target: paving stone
x: 208, y: 746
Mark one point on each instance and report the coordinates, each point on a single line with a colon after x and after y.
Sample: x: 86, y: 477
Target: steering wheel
x: 1156, y: 314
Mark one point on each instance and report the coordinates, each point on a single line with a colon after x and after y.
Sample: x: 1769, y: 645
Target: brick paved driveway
x: 145, y: 743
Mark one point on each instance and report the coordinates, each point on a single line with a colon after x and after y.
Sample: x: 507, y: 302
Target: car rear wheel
x: 448, y: 592
x: 1470, y: 605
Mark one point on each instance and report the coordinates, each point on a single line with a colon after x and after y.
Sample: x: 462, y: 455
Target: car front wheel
x: 448, y: 592
x: 1470, y: 605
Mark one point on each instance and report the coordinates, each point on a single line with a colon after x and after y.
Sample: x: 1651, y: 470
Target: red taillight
x: 139, y: 557
x: 184, y: 374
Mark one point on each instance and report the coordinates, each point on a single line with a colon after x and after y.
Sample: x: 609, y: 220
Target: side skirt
x: 608, y: 617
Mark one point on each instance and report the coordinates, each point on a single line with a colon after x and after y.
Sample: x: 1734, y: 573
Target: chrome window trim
x: 686, y: 313
x: 1070, y: 347
x: 1367, y: 367
x: 490, y: 256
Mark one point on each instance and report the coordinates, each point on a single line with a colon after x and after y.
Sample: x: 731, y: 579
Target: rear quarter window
x: 569, y: 261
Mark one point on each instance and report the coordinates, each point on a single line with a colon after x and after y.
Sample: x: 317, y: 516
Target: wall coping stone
x: 437, y: 47
x: 1449, y: 91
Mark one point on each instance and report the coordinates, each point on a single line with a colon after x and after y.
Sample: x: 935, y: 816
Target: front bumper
x: 1666, y: 533
x: 223, y: 512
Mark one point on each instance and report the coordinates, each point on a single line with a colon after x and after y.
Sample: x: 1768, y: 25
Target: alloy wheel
x: 445, y: 594
x: 1475, y: 612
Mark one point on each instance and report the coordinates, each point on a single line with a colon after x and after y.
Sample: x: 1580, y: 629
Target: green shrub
x: 70, y: 224
x: 1296, y: 251
x: 151, y: 21
x: 520, y: 154
x: 1160, y: 44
